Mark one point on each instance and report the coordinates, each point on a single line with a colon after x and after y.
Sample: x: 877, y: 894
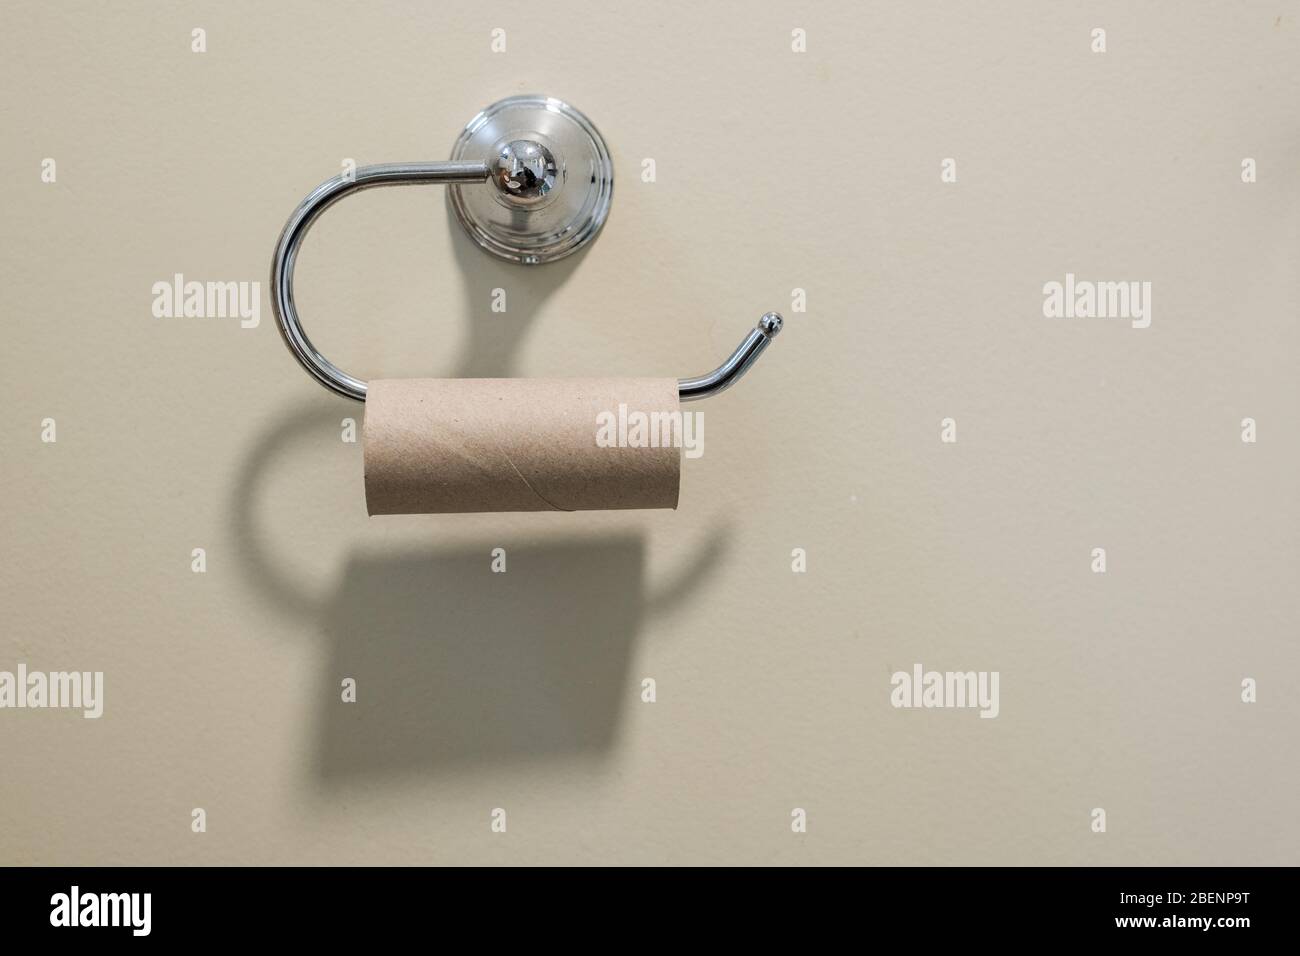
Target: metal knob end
x: 771, y: 324
x: 525, y: 171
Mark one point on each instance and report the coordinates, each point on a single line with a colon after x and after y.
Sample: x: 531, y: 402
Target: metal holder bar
x: 528, y: 177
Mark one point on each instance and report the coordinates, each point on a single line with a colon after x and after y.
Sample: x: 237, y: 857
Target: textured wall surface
x: 776, y: 170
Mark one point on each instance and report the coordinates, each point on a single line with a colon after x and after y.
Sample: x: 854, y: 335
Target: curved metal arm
x: 398, y: 174
x: 728, y: 373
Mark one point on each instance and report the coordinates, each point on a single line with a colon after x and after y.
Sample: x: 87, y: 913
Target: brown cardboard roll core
x: 438, y: 446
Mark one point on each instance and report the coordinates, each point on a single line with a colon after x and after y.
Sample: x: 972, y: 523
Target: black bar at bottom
x: 306, y: 905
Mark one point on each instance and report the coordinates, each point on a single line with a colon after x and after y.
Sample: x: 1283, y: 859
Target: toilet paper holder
x: 531, y: 181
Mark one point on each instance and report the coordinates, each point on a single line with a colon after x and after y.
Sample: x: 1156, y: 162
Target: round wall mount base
x: 552, y: 180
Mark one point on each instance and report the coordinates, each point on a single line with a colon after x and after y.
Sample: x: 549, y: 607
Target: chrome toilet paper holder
x: 542, y: 183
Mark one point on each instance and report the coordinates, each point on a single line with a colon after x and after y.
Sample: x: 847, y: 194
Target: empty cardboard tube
x: 444, y: 446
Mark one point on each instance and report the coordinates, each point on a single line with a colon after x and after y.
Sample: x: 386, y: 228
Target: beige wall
x: 776, y: 171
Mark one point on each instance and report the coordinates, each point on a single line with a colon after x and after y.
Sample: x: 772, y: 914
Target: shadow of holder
x: 456, y: 664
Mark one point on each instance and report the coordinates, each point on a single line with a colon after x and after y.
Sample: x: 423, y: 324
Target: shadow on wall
x: 456, y: 664
x: 494, y: 337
